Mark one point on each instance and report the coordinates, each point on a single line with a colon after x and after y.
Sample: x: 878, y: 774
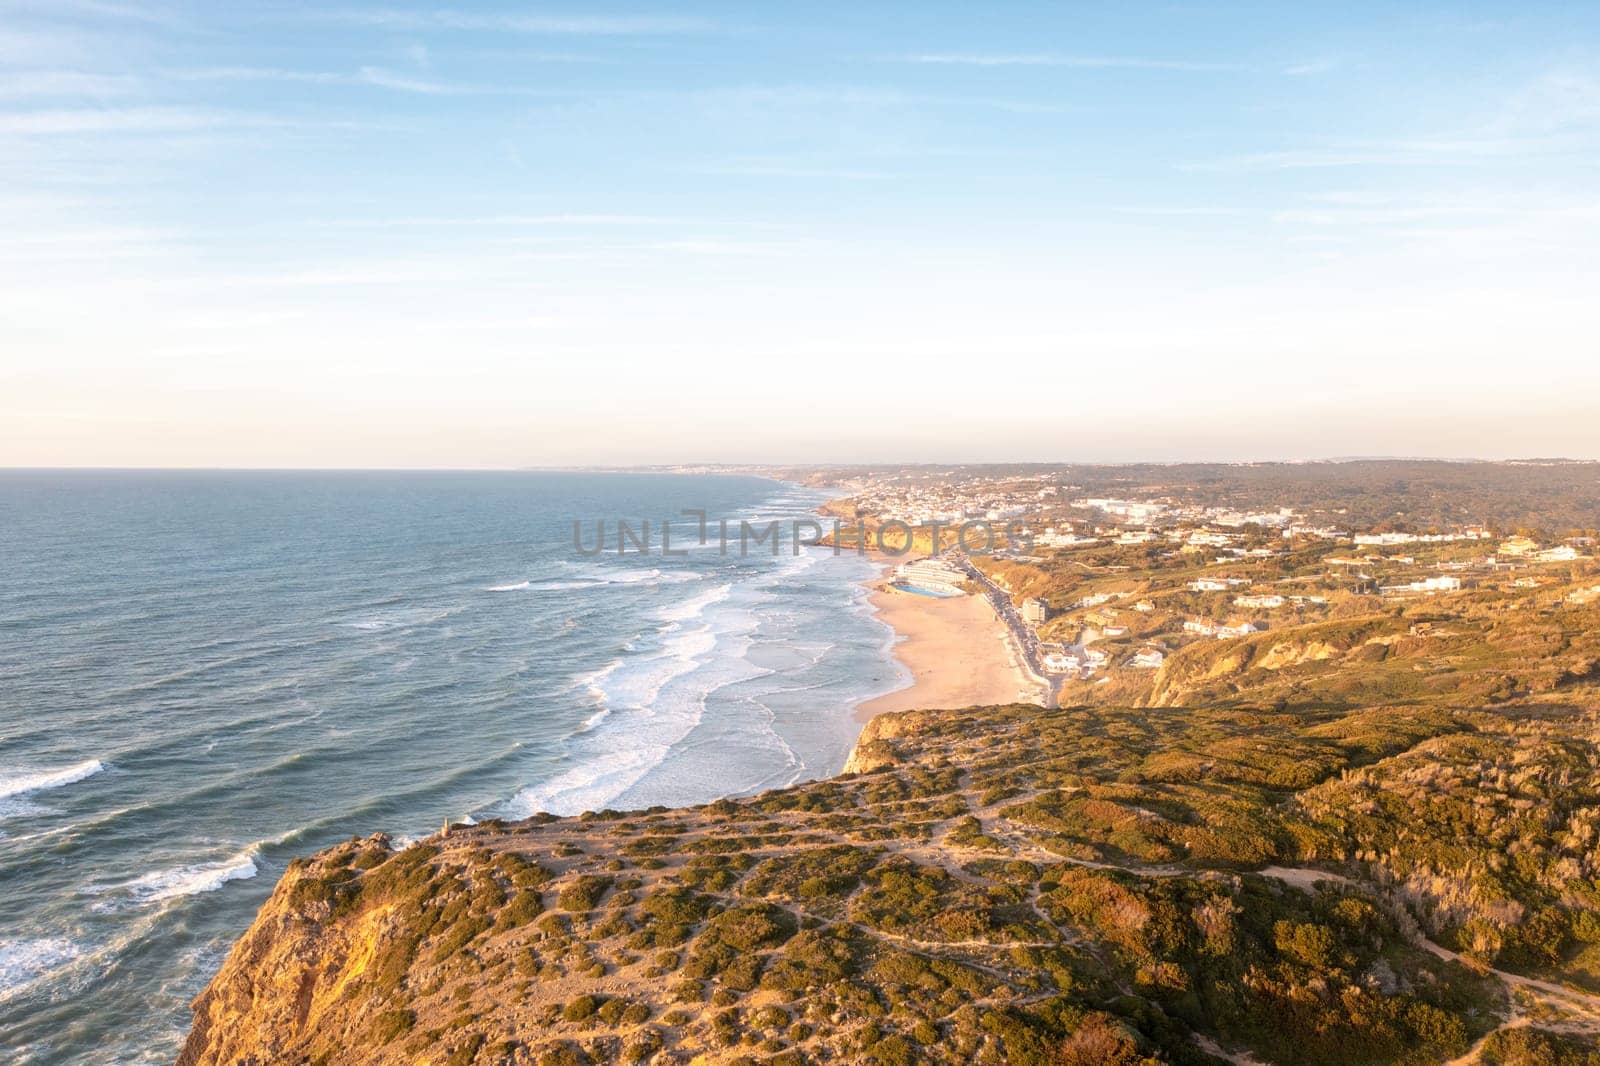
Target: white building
x: 1517, y: 546
x: 1444, y: 583
x: 1147, y: 659
x: 932, y: 575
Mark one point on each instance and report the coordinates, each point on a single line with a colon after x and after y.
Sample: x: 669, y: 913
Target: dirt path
x: 1574, y: 1012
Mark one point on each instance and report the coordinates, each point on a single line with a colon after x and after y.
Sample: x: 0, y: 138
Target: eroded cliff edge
x: 994, y: 885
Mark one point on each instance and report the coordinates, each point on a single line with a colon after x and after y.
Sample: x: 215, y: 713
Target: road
x: 1027, y: 641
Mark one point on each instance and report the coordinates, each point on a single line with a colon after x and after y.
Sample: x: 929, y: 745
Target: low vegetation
x: 1288, y: 845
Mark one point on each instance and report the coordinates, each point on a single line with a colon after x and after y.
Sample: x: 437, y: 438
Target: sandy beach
x: 956, y: 650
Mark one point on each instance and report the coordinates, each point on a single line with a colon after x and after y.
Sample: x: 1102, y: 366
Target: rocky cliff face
x: 875, y: 748
x: 278, y: 996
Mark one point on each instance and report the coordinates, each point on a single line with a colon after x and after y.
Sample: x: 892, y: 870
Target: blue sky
x: 503, y: 234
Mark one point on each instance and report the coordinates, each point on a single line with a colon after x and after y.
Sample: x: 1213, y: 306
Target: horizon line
x: 668, y: 467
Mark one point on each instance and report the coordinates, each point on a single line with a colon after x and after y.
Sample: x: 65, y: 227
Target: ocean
x: 206, y: 674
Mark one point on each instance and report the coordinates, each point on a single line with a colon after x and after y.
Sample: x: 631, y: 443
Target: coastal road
x: 1026, y: 640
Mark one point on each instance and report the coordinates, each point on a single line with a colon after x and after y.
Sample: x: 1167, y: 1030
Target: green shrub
x: 580, y: 1009
x: 584, y: 893
x: 391, y: 1024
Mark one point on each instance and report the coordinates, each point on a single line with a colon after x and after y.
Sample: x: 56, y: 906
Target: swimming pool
x: 920, y: 591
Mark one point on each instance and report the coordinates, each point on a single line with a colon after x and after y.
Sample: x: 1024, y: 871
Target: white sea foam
x: 160, y: 885
x: 658, y: 705
x: 695, y: 606
x: 518, y: 587
x: 649, y: 702
x: 595, y: 680
x: 612, y: 576
x: 600, y: 576
x: 22, y: 962
x: 22, y: 782
x: 634, y: 742
x: 20, y: 785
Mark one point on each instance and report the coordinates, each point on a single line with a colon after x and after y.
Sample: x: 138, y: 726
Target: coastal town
x: 1099, y: 589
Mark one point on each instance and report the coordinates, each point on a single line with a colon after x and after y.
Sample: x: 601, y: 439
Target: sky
x: 381, y: 234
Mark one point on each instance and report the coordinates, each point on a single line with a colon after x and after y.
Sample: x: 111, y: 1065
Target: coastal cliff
x: 874, y: 749
x: 997, y: 885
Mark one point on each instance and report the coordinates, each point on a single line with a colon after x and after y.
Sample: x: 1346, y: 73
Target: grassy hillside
x: 1369, y: 837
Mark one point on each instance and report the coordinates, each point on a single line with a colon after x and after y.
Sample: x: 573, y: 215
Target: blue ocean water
x: 205, y: 674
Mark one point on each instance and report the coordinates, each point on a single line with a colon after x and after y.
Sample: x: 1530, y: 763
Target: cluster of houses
x: 1528, y: 549
x: 1215, y: 584
x: 1072, y: 660
x: 1219, y: 533
x: 1079, y: 662
x: 1375, y: 540
x: 917, y: 498
x: 1146, y: 512
x: 1205, y: 627
x: 1061, y: 537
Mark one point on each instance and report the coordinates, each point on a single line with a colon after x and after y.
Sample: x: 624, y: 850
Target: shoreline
x: 956, y: 652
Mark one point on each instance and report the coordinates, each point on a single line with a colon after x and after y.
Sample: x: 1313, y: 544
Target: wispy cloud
x: 38, y: 46
x: 66, y: 121
x: 36, y: 83
x: 1439, y: 151
x: 563, y: 219
x: 1309, y: 67
x: 1558, y: 100
x: 95, y: 8
x: 387, y: 79
x: 373, y: 77
x: 1351, y: 210
x: 1179, y: 212
x: 1049, y: 59
x: 556, y: 25
x: 789, y: 170
x: 399, y: 272
x: 73, y: 244
x: 810, y: 96
x: 1555, y: 114
x: 719, y: 247
x: 308, y: 77
x: 803, y: 95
